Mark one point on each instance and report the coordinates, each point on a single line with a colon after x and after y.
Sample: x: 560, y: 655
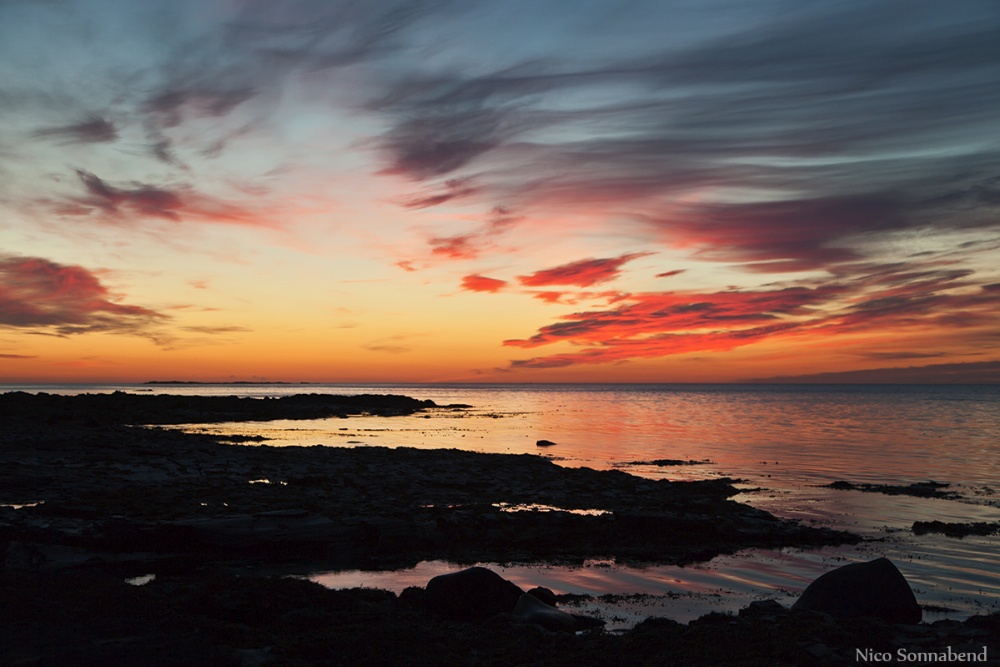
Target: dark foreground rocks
x: 156, y: 500
x: 90, y: 618
x: 876, y: 588
x: 86, y: 501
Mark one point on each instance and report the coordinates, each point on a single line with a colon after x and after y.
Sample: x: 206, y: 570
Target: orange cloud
x: 653, y: 324
x: 477, y: 283
x: 583, y: 273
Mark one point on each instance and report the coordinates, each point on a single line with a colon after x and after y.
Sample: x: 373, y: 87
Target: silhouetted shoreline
x: 100, y: 499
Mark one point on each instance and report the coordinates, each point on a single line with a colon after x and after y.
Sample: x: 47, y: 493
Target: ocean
x: 783, y: 443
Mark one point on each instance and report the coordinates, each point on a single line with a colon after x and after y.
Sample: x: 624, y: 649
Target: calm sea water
x: 782, y: 441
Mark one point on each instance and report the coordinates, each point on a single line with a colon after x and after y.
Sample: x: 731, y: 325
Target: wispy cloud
x: 140, y: 200
x: 472, y: 244
x: 808, y: 188
x: 728, y: 146
x: 41, y: 295
x: 900, y: 298
x: 94, y: 129
x: 582, y: 273
x: 973, y: 372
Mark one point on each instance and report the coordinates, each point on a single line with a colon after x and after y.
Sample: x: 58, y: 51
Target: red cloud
x: 38, y: 293
x: 548, y: 297
x: 897, y: 298
x: 455, y: 247
x: 477, y: 283
x: 583, y: 273
x: 618, y: 350
x: 658, y: 312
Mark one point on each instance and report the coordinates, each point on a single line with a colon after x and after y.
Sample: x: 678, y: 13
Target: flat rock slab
x: 111, y: 487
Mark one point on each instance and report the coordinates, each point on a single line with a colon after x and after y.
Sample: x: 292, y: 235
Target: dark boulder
x: 532, y: 610
x: 544, y: 594
x: 473, y: 594
x: 545, y: 443
x: 875, y: 588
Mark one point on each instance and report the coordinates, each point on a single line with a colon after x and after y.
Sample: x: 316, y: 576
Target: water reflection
x: 783, y: 443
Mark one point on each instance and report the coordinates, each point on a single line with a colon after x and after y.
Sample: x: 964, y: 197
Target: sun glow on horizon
x: 665, y: 194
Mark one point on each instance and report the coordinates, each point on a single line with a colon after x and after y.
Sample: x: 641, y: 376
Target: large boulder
x: 473, y: 594
x: 875, y: 588
x: 532, y: 610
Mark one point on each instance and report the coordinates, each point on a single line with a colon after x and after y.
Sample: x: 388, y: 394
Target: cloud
x: 670, y: 274
x: 769, y: 145
x: 38, y: 294
x: 781, y: 236
x: 973, y: 372
x: 218, y: 329
x: 94, y: 129
x: 454, y: 189
x: 390, y: 349
x: 582, y: 273
x: 140, y: 200
x: 477, y: 283
x: 18, y: 356
x: 170, y: 105
x: 904, y: 298
x: 472, y: 244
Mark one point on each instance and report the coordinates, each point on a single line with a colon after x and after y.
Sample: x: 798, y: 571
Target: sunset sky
x: 516, y: 191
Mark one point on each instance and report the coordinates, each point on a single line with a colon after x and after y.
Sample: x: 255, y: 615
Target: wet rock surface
x: 117, y: 490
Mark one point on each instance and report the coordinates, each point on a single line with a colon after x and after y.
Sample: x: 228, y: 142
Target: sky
x: 517, y: 191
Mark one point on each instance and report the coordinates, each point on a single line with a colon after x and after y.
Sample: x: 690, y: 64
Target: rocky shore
x: 90, y: 494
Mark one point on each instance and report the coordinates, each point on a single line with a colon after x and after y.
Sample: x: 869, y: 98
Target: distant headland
x: 173, y: 382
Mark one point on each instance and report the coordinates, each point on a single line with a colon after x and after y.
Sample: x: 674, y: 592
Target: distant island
x: 224, y: 382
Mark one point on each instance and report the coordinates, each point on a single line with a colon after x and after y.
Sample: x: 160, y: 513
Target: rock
x: 875, y: 588
x: 532, y: 610
x: 545, y: 443
x: 544, y: 594
x: 473, y: 594
x: 764, y: 609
